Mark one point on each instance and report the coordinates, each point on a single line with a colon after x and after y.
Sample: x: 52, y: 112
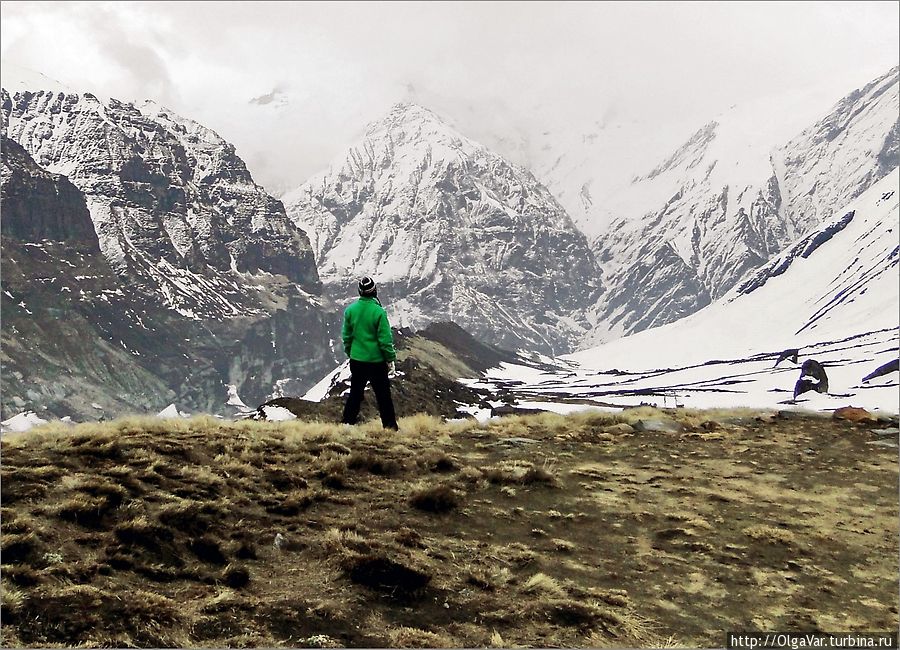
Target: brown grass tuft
x: 770, y: 534
x: 436, y: 460
x: 413, y: 637
x: 386, y: 575
x: 374, y: 464
x: 542, y: 584
x: 236, y: 577
x: 439, y: 498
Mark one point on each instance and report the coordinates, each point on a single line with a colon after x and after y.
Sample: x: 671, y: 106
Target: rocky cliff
x: 142, y: 266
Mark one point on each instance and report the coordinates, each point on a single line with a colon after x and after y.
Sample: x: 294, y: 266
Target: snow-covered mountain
x: 842, y: 155
x: 679, y: 236
x: 833, y: 295
x: 142, y: 265
x: 173, y: 206
x: 450, y: 231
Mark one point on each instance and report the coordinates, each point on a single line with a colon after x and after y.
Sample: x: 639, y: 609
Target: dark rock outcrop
x: 38, y: 205
x: 812, y: 377
x: 788, y: 355
x: 882, y: 370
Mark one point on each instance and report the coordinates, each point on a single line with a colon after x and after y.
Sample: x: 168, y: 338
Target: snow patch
x: 171, y: 411
x: 21, y: 422
x: 277, y: 414
x: 234, y: 399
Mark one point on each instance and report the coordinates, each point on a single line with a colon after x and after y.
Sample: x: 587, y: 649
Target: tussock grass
x: 770, y: 534
x: 542, y: 584
x: 336, y: 541
x: 421, y: 425
x: 437, y: 499
x: 11, y: 599
x: 413, y: 637
x: 522, y: 472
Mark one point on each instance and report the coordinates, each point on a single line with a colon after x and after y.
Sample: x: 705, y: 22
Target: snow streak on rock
x: 727, y: 202
x: 449, y: 230
x: 172, y: 204
x: 833, y: 296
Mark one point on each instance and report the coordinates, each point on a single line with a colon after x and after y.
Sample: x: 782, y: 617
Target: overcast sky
x: 292, y: 83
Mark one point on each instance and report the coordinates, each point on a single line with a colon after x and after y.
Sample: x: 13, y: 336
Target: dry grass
x: 436, y: 499
x: 770, y: 534
x: 412, y: 637
x: 533, y: 531
x: 543, y: 585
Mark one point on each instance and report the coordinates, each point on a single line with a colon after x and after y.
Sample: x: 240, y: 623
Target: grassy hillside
x: 539, y: 531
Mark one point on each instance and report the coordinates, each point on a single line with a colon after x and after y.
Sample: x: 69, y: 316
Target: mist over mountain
x: 724, y: 204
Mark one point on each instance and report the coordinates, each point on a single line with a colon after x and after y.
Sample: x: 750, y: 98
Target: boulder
x: 812, y: 377
x: 622, y: 428
x: 854, y: 414
x: 665, y: 426
x: 508, y: 409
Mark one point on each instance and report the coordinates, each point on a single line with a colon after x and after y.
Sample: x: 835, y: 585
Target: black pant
x: 361, y: 373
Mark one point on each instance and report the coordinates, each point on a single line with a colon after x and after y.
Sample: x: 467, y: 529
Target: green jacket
x: 367, y: 333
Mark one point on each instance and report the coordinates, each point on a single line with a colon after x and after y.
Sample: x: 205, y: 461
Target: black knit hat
x: 367, y: 287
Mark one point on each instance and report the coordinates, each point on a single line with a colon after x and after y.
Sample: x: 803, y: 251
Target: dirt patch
x: 386, y: 575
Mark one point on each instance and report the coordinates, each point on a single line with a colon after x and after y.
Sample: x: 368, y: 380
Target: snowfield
x: 833, y: 295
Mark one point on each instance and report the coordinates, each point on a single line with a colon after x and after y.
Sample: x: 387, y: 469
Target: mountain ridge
x: 450, y: 231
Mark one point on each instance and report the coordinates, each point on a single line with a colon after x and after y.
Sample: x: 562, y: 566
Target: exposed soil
x: 539, y: 531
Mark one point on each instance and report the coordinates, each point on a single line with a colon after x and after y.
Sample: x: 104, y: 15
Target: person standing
x: 369, y: 343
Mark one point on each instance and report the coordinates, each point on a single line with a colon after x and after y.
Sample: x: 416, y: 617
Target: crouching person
x: 369, y: 343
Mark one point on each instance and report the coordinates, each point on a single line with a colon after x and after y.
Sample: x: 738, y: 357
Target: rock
x: 508, y: 409
x: 812, y: 377
x: 893, y: 431
x: 854, y: 414
x: 665, y: 426
x: 622, y: 428
x: 320, y: 641
x: 883, y: 443
x: 788, y: 354
x: 887, y: 368
x: 39, y: 205
x: 791, y: 415
x: 515, y: 442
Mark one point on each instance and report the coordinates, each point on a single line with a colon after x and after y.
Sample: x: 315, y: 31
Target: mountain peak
x: 413, y: 111
x: 407, y: 121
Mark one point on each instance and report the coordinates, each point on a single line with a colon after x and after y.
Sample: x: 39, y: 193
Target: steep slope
x: 841, y: 155
x: 680, y: 236
x: 40, y: 205
x: 838, y: 281
x: 54, y: 351
x: 174, y: 208
x: 154, y: 271
x: 450, y: 231
x: 833, y: 296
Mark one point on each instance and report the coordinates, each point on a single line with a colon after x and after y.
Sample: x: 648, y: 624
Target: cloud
x: 500, y: 69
